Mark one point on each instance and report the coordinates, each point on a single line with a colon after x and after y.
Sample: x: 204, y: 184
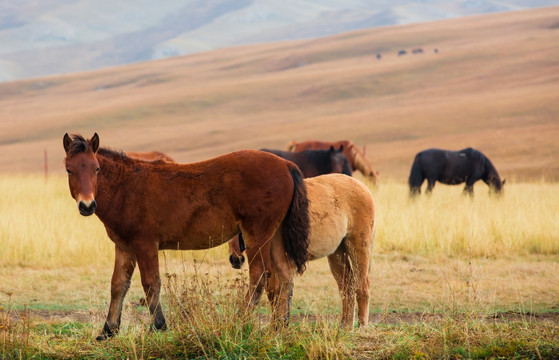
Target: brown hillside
x: 493, y: 85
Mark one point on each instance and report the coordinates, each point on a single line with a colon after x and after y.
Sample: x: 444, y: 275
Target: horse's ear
x: 94, y: 143
x: 67, y: 141
x: 331, y: 148
x: 341, y: 147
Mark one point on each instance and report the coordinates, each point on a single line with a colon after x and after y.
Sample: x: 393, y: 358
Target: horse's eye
x: 68, y: 171
x: 97, y: 170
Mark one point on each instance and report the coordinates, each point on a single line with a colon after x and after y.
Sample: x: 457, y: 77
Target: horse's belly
x: 194, y: 239
x: 326, y: 236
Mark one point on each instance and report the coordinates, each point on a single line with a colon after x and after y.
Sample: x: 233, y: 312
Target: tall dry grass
x: 40, y: 224
x: 522, y: 221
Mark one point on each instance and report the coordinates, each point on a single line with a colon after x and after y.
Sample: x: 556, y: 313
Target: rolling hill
x: 48, y: 37
x: 493, y: 84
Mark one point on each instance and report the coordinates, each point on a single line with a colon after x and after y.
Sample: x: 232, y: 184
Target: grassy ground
x: 453, y: 277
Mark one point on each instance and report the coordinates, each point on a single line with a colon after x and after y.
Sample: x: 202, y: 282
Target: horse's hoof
x: 103, y: 337
x: 159, y: 327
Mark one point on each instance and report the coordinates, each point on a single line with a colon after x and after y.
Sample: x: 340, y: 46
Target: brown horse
x: 356, y: 158
x: 150, y: 156
x: 151, y: 206
x: 342, y: 218
x: 311, y: 163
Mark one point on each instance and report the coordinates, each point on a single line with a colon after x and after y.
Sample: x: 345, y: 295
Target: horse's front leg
x: 469, y: 188
x: 148, y: 263
x: 125, y: 262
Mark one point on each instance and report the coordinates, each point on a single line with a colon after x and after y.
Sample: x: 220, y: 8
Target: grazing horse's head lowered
x: 82, y: 168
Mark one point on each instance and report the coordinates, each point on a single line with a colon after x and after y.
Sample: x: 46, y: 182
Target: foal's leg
x: 148, y: 262
x: 125, y: 262
x: 359, y: 250
x: 343, y: 274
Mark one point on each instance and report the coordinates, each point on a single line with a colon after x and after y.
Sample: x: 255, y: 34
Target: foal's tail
x: 416, y: 177
x: 296, y: 224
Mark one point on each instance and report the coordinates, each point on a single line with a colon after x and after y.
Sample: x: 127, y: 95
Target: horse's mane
x: 113, y: 154
x: 80, y: 144
x: 490, y: 172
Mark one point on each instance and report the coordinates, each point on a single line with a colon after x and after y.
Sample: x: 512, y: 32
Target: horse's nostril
x: 87, y: 210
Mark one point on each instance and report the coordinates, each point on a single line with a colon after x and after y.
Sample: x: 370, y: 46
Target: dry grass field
x: 453, y: 276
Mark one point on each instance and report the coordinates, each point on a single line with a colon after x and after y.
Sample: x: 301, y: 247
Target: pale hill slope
x: 494, y: 85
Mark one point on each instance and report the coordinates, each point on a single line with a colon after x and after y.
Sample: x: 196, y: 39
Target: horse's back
x: 338, y: 206
x: 202, y: 204
x: 316, y: 145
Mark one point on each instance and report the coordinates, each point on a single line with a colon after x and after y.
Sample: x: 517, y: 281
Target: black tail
x: 416, y: 177
x: 296, y: 224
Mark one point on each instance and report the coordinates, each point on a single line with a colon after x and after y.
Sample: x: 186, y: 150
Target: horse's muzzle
x: 87, y: 210
x: 236, y: 261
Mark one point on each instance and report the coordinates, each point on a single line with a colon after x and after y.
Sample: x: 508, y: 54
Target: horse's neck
x: 112, y: 176
x: 361, y: 163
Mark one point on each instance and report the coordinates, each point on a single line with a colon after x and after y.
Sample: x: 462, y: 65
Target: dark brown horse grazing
x: 452, y: 167
x: 311, y: 163
x: 150, y: 156
x: 150, y: 206
x: 317, y: 162
x: 356, y: 158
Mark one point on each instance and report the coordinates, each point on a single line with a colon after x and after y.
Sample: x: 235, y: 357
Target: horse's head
x: 236, y: 261
x: 82, y: 167
x: 338, y: 161
x: 496, y: 185
x: 236, y: 257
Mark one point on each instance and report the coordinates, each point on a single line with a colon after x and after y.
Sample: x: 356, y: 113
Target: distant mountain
x: 47, y: 37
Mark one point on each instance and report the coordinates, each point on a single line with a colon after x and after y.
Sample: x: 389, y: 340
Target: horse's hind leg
x: 125, y: 262
x: 340, y: 267
x: 430, y: 186
x: 281, y: 288
x: 360, y: 250
x: 259, y: 267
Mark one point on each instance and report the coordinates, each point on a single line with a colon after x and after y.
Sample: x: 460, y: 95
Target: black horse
x: 317, y: 162
x: 451, y: 168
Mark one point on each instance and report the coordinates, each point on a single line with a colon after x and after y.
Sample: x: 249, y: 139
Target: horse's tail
x: 416, y: 177
x: 296, y: 224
